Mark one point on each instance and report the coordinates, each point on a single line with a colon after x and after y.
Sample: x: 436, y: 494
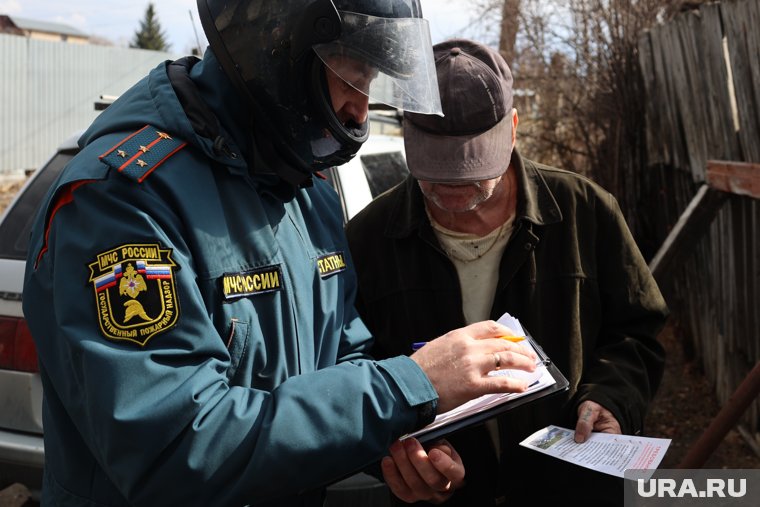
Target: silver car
x: 21, y: 449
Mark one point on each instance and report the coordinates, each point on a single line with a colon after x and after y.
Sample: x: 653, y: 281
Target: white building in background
x: 42, y: 30
x: 48, y: 91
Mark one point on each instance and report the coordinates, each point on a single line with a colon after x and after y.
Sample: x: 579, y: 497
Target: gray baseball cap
x: 473, y: 140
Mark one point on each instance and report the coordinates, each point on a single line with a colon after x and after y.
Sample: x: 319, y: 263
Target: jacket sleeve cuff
x: 628, y: 416
x: 414, y: 385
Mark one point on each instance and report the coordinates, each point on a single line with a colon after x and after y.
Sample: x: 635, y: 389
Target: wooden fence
x: 702, y: 78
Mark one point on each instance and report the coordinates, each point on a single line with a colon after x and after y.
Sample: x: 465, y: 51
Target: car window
x: 15, y: 228
x: 384, y: 170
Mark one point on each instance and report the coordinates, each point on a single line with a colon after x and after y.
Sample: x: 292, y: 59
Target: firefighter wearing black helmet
x: 189, y: 287
x: 276, y: 54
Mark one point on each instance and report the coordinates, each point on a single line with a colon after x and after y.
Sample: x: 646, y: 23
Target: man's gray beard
x: 475, y: 201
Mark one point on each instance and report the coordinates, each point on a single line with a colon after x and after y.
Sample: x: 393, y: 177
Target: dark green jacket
x: 571, y: 273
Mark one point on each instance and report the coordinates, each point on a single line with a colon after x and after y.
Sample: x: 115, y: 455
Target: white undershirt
x: 477, y: 260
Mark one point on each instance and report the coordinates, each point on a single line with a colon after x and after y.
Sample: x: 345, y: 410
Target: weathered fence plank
x: 738, y: 178
x: 689, y: 229
x: 690, y: 96
x: 744, y: 62
x: 721, y: 134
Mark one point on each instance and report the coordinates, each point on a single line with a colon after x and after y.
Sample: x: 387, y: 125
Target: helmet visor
x: 388, y: 59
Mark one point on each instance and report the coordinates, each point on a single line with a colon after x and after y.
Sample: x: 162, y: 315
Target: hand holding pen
x: 458, y: 363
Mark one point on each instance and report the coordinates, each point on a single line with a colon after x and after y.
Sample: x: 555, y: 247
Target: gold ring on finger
x: 497, y: 360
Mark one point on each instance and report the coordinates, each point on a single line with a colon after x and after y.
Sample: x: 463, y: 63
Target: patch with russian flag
x: 135, y: 293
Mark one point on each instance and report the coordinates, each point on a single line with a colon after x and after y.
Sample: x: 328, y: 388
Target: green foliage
x: 150, y: 35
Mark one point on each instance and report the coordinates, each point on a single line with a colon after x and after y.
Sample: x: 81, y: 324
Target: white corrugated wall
x: 48, y: 91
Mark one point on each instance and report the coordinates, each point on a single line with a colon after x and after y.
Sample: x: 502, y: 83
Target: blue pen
x: 418, y: 345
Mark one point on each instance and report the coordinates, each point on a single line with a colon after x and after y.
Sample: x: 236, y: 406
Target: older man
x: 476, y: 230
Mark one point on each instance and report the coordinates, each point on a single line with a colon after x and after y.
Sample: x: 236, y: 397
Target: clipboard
x: 497, y: 403
x: 431, y: 433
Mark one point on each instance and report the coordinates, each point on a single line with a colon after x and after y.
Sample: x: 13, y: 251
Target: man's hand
x: 594, y: 417
x: 458, y: 363
x: 414, y: 474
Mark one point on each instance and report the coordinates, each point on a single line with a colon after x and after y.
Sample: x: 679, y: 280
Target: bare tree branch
x: 578, y: 84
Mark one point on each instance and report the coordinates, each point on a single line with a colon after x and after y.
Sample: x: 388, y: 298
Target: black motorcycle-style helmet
x: 276, y: 52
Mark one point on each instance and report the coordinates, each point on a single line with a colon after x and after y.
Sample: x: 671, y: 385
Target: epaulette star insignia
x: 150, y: 147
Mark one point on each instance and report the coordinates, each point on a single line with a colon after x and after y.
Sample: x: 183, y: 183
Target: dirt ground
x: 7, y: 190
x: 684, y: 407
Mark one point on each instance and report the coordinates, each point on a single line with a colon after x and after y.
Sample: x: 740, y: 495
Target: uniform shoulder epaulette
x: 140, y: 153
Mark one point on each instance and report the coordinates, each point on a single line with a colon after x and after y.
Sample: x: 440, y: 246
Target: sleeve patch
x: 142, y: 152
x: 134, y: 290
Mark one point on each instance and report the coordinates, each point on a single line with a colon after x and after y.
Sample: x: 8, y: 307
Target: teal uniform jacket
x: 194, y: 320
